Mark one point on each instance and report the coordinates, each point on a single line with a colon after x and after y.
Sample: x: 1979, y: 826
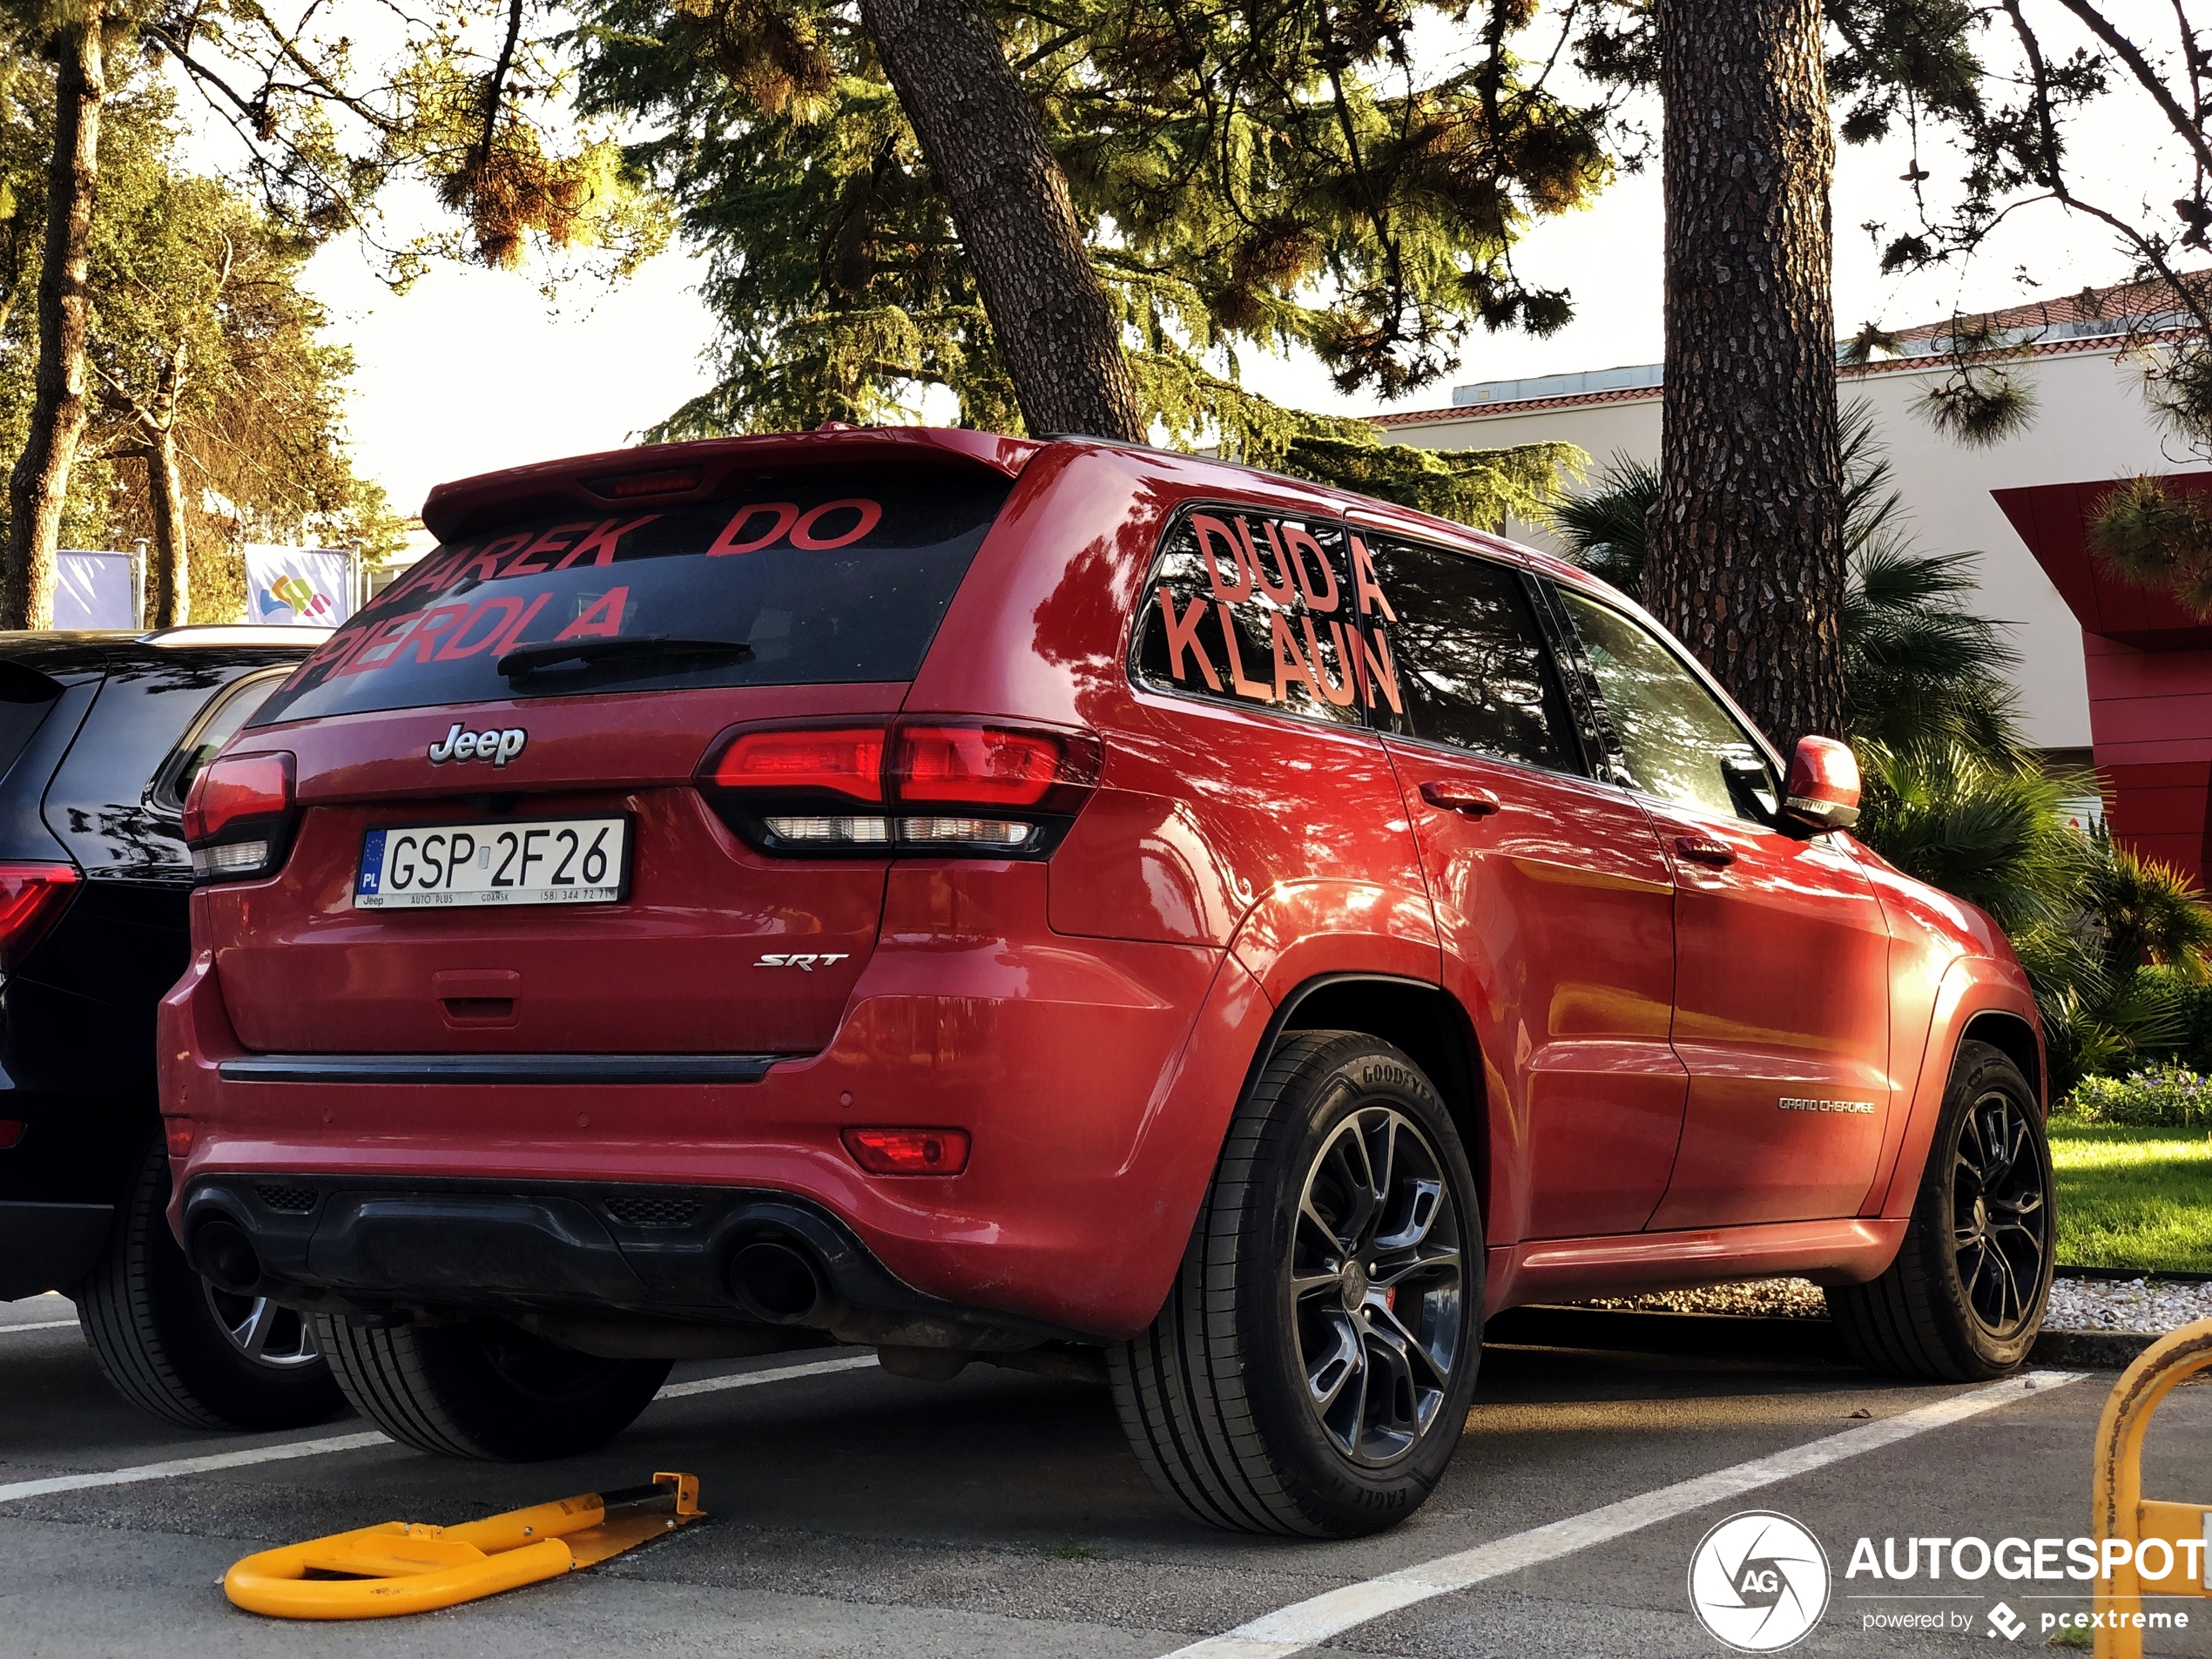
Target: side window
x: 1677, y: 741
x: 1471, y: 663
x: 207, y: 735
x: 1256, y: 609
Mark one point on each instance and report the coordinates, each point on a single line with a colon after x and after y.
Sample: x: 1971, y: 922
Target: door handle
x: 1461, y: 798
x: 1703, y: 849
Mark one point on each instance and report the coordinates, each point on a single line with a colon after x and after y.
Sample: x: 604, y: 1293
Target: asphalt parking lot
x: 858, y: 1512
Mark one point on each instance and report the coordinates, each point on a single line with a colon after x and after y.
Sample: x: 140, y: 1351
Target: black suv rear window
x: 790, y: 583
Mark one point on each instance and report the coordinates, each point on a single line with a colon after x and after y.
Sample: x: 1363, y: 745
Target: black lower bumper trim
x: 406, y: 1245
x: 602, y: 1069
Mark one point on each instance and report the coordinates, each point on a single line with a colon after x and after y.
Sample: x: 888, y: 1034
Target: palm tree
x: 1919, y: 665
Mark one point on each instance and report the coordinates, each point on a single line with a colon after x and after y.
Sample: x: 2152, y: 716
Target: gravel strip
x: 2076, y: 1304
x: 2106, y: 1304
x: 1786, y: 1298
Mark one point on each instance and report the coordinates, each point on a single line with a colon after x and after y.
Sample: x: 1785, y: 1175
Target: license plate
x: 548, y: 860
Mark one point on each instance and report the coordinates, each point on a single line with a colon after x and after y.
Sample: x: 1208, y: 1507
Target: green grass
x: 2134, y: 1197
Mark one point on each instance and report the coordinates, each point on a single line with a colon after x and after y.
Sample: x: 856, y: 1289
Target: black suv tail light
x: 239, y: 817
x: 32, y: 896
x: 972, y: 787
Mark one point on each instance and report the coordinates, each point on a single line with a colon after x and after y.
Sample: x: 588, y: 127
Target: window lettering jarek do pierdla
x: 1286, y: 612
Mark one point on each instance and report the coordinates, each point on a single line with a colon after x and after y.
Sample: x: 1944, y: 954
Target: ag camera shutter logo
x: 1758, y: 1581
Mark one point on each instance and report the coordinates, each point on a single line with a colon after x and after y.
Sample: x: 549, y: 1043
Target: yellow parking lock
x: 2120, y: 1514
x: 404, y: 1567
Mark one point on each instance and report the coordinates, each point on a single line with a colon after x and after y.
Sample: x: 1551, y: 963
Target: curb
x: 2090, y: 1350
x: 1813, y: 1338
x: 2129, y: 1275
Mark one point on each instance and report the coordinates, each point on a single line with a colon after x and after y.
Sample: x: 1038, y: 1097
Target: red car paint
x: 1632, y: 983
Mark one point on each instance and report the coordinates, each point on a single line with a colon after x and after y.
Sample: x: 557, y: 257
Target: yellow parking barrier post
x: 2122, y: 1513
x: 404, y: 1567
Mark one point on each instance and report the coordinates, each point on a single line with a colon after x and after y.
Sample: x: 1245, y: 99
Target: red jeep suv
x: 1064, y: 905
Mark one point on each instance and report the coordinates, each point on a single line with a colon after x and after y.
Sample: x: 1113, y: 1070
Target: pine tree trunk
x: 39, y: 485
x: 1049, y: 314
x: 170, y: 578
x: 1746, y: 553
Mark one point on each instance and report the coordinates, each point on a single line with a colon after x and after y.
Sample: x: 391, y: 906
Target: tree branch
x: 2146, y: 76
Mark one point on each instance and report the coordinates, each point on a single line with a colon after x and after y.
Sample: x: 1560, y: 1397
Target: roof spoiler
x: 659, y: 475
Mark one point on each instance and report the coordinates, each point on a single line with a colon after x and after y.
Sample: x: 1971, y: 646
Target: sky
x: 470, y: 370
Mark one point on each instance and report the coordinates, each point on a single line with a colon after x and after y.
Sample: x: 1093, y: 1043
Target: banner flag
x: 308, y: 584
x: 94, y: 591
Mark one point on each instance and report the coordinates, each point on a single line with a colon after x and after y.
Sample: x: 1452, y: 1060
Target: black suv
x: 100, y: 736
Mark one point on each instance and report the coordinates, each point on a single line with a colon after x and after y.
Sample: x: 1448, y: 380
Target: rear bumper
x: 49, y: 1246
x: 382, y: 1246
x: 1096, y: 1077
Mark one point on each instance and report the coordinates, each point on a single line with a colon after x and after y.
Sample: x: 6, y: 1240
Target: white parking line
x: 1306, y: 1624
x: 747, y: 1379
x: 279, y: 1453
x: 176, y: 1467
x: 37, y: 1325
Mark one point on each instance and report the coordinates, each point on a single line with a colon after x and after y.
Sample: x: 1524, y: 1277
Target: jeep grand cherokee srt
x: 1065, y: 904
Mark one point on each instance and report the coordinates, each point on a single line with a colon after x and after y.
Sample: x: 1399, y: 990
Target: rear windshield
x: 788, y: 583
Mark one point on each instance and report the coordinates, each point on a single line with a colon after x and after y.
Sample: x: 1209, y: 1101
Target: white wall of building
x: 2092, y: 423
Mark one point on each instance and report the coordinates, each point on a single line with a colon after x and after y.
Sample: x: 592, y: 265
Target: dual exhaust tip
x: 777, y: 1281
x: 226, y: 1256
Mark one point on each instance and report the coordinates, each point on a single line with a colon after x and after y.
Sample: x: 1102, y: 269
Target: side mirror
x: 1823, y: 785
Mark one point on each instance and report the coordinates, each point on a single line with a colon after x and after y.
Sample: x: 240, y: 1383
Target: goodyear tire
x: 486, y: 1390
x: 1963, y: 1299
x: 1311, y: 1371
x: 173, y: 1346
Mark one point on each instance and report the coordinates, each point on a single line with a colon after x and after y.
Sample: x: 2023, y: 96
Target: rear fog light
x: 10, y: 1133
x: 178, y: 1133
x: 909, y: 1151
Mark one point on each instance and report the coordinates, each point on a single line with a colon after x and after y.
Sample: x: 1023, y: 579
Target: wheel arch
x: 1980, y: 998
x: 1422, y: 1019
x: 2016, y: 1040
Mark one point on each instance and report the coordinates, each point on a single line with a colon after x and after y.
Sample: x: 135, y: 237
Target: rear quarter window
x: 1262, y: 609
x: 789, y: 582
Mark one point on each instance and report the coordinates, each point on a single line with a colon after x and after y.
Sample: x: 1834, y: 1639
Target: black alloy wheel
x: 177, y: 1346
x: 1963, y: 1299
x: 1309, y: 1371
x: 485, y: 1389
x: 1999, y: 1215
x: 261, y: 1331
x: 1374, y: 1273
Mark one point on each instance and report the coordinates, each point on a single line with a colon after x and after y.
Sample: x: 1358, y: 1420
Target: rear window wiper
x: 525, y: 659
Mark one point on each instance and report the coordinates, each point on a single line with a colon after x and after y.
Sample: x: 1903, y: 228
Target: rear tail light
x: 909, y: 1151
x: 239, y: 817
x: 792, y: 789
x: 840, y: 761
x: 10, y: 1133
x: 32, y: 897
x: 977, y: 764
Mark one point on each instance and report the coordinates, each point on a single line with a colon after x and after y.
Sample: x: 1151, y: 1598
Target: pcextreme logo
x: 1758, y: 1581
